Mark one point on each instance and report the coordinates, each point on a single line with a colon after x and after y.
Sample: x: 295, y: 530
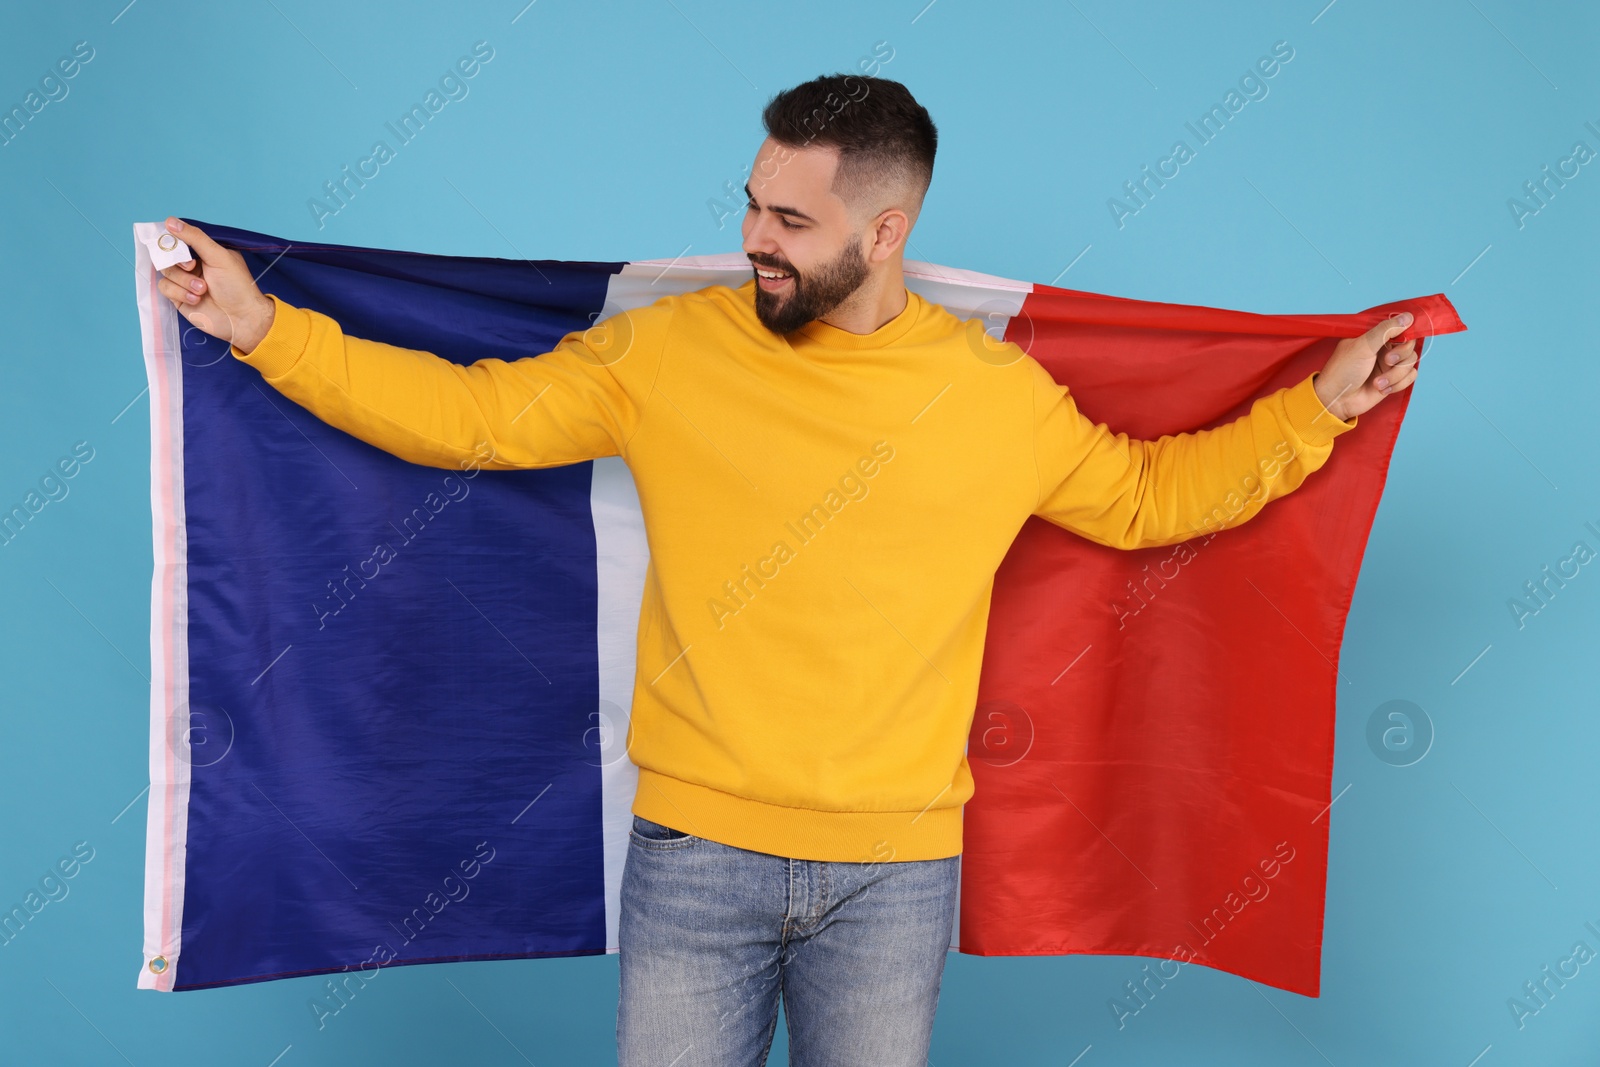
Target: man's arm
x: 1139, y: 494
x: 582, y: 400
x: 1127, y: 493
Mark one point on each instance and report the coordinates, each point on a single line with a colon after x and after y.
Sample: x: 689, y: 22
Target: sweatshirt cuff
x: 1315, y: 424
x: 284, y: 343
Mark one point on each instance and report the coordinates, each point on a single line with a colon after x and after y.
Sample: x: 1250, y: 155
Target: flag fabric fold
x: 388, y: 701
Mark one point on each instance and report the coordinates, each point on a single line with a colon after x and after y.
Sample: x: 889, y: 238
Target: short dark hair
x: 886, y: 140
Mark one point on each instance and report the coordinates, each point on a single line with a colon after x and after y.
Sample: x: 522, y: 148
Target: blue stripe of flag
x: 362, y: 747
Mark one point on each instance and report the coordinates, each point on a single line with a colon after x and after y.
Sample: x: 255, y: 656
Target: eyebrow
x: 774, y: 207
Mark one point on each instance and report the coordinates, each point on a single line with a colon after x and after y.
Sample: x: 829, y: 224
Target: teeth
x: 770, y: 273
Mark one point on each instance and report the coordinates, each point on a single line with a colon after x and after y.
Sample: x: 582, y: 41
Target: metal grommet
x: 161, y: 243
x: 158, y: 965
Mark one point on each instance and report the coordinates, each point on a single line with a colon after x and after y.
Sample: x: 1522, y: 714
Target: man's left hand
x: 1365, y: 369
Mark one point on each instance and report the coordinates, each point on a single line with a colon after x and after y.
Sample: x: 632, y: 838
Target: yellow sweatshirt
x: 825, y: 513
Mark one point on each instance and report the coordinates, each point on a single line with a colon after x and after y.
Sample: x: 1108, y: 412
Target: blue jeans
x: 711, y: 935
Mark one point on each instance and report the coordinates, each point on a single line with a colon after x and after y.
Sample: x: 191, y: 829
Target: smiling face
x: 797, y: 227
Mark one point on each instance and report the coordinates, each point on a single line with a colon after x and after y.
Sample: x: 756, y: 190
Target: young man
x: 830, y: 470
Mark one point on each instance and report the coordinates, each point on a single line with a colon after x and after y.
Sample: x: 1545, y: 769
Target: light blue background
x: 1378, y: 167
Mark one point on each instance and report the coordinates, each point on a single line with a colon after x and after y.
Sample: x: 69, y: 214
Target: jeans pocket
x: 658, y: 837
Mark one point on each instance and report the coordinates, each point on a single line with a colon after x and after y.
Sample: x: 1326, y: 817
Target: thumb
x: 201, y: 245
x: 1389, y: 327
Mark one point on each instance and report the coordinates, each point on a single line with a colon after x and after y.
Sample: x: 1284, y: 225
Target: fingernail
x: 196, y: 286
x: 1383, y: 383
x: 174, y: 225
x: 1404, y: 318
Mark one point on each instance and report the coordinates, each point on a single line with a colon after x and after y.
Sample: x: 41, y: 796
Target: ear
x: 888, y: 235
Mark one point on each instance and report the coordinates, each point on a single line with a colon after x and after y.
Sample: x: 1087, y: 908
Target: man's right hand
x: 217, y: 293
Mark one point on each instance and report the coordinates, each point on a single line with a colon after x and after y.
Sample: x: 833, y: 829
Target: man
x: 830, y: 470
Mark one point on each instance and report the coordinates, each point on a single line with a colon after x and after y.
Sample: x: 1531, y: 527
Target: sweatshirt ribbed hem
x: 1310, y: 418
x: 798, y: 833
x: 284, y: 343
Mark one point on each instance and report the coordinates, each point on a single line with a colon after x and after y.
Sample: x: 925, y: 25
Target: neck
x: 878, y: 301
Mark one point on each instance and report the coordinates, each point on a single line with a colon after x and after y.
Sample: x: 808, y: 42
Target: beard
x: 811, y: 295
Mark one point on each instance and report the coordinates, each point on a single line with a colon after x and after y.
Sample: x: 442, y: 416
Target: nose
x: 758, y: 238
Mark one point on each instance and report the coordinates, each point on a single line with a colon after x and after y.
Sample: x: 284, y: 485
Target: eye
x: 750, y: 205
